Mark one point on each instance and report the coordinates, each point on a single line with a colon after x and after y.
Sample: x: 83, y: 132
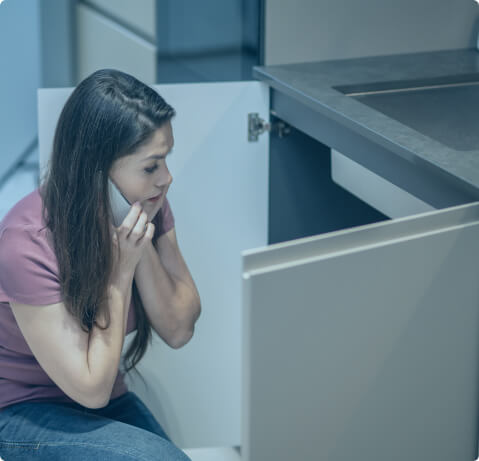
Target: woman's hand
x: 129, y: 240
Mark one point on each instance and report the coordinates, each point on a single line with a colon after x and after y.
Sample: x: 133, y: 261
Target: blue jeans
x: 123, y: 430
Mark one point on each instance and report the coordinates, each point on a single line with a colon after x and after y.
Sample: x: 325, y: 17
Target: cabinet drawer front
x: 138, y: 14
x: 102, y: 43
x: 362, y: 343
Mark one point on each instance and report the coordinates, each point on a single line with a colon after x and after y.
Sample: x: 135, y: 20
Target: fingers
x: 146, y: 234
x: 140, y: 226
x: 150, y: 231
x: 134, y: 222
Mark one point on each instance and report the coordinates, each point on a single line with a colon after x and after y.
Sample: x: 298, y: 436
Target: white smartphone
x: 120, y: 206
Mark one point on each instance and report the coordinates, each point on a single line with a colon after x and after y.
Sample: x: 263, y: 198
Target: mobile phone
x: 120, y: 206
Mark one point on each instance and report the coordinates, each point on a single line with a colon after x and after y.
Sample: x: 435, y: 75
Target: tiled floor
x: 23, y: 181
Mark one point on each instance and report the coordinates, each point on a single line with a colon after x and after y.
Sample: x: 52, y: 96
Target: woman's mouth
x: 155, y: 199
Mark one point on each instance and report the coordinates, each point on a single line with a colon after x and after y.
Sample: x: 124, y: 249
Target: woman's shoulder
x: 26, y: 213
x: 23, y: 230
x: 28, y: 265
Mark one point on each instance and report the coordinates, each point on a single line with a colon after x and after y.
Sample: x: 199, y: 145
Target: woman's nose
x: 169, y: 179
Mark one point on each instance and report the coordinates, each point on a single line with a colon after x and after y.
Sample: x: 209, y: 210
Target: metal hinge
x: 257, y: 126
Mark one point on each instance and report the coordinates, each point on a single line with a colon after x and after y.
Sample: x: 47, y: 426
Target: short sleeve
x: 28, y: 267
x: 168, y: 220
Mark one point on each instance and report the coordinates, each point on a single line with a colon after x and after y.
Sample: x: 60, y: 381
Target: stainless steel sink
x: 445, y: 109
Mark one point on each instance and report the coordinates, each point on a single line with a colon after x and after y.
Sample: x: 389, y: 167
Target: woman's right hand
x: 130, y: 239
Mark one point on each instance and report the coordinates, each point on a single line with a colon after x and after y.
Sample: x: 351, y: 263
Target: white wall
x: 311, y: 30
x: 20, y: 76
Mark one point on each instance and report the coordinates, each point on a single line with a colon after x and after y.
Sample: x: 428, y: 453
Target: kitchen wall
x: 36, y: 51
x: 309, y: 30
x: 20, y: 77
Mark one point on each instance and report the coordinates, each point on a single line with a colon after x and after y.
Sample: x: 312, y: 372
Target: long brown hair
x: 108, y: 115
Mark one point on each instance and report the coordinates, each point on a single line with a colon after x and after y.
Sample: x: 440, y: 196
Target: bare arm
x: 105, y: 346
x: 82, y: 365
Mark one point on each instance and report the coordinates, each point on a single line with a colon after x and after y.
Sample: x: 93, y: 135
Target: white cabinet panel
x: 50, y: 105
x: 373, y: 189
x: 363, y: 344
x: 213, y: 454
x: 103, y: 43
x: 219, y: 198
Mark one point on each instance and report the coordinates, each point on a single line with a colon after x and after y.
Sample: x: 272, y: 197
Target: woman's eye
x: 151, y: 169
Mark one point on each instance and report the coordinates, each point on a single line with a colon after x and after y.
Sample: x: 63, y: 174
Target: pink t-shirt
x: 29, y: 275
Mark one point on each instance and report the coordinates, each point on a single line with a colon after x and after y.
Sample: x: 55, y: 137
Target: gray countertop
x: 314, y: 85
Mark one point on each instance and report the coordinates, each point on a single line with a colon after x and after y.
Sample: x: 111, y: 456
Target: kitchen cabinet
x: 139, y: 16
x: 155, y: 40
x: 369, y: 313
x: 103, y: 42
x: 362, y: 343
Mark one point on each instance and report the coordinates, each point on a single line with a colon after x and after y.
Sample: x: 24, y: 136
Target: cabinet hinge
x: 257, y: 126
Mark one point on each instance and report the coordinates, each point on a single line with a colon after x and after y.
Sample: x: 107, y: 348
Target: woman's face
x: 144, y: 174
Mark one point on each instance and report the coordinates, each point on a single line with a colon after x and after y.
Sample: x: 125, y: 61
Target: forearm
x: 170, y: 303
x: 105, y: 346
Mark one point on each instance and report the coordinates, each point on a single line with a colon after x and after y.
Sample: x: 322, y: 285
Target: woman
x: 72, y: 284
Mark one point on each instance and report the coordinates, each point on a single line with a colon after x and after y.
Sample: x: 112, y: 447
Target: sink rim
x: 413, y: 88
x: 445, y: 111
x: 400, y: 86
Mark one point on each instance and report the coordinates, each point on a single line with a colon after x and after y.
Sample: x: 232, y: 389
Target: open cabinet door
x: 363, y: 344
x: 219, y: 198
